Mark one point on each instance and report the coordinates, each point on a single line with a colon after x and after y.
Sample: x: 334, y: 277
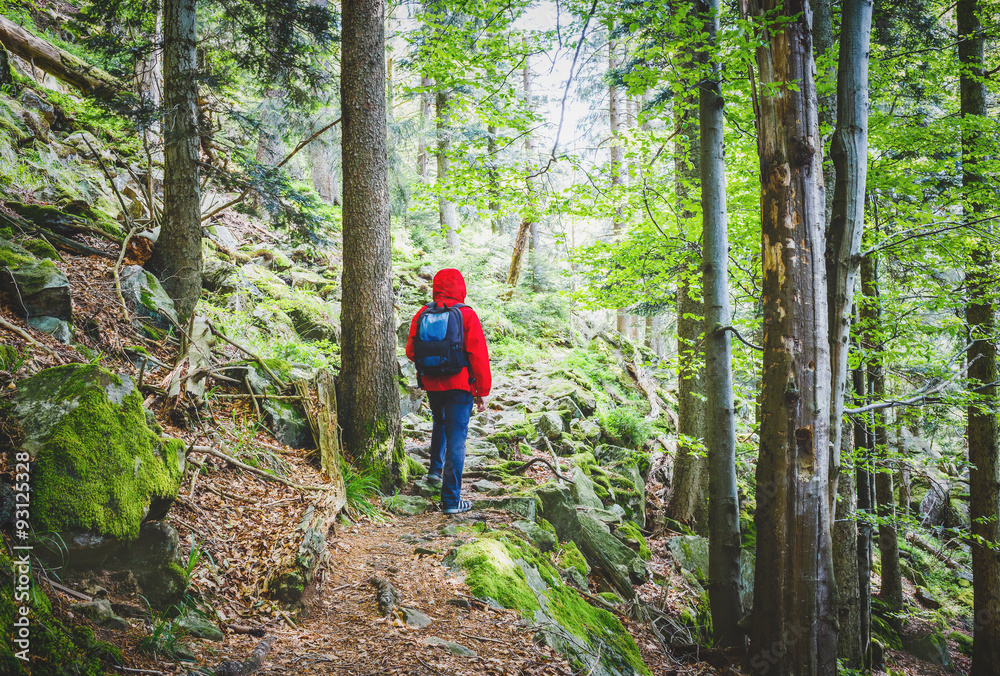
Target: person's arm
x: 479, y: 357
x: 413, y: 332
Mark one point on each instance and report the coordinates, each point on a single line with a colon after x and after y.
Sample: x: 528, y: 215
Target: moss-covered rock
x: 98, y: 467
x: 629, y: 532
x: 146, y: 297
x: 42, y: 249
x: 13, y: 255
x: 519, y: 577
x: 39, y: 289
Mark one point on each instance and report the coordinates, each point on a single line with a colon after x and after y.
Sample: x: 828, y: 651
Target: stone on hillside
x: 306, y: 279
x: 509, y: 418
x: 583, y: 491
x: 199, y: 626
x: 31, y: 101
x: 146, y: 297
x: 101, y: 478
x: 568, y: 410
x: 55, y: 327
x: 214, y: 270
x: 487, y: 487
x: 691, y: 553
x: 481, y: 447
x: 38, y: 290
x: 927, y: 598
x: 408, y: 505
x: 511, y: 574
x: 456, y: 649
x: 285, y: 420
x: 223, y: 236
x: 99, y: 611
x: 544, y: 540
x: 524, y: 506
x: 607, y: 552
x: 573, y: 577
x: 930, y: 647
x: 414, y: 618
x: 585, y: 430
x: 13, y: 255
x: 550, y: 424
x: 586, y: 402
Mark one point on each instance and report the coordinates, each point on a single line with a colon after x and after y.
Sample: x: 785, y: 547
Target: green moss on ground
x: 41, y: 249
x: 571, y: 557
x: 631, y: 532
x: 492, y: 573
x: 411, y: 468
x: 56, y: 649
x: 13, y: 255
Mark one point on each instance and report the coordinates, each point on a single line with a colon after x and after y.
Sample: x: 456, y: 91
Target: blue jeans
x: 451, y: 410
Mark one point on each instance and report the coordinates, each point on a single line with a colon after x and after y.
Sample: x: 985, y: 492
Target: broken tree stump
x: 250, y: 665
x: 385, y: 595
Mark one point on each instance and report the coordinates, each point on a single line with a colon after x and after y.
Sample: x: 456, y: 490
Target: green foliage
x: 625, y: 426
x: 360, y: 489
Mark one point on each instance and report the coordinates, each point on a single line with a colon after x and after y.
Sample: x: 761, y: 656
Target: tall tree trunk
x: 617, y: 164
x: 496, y: 218
x: 892, y: 584
x: 822, y: 47
x: 794, y: 625
x: 687, y: 494
x: 368, y: 394
x: 845, y: 568
x: 863, y: 442
x: 176, y: 258
x: 984, y: 472
x: 850, y: 159
x: 720, y: 432
x: 448, y: 218
x: 426, y: 114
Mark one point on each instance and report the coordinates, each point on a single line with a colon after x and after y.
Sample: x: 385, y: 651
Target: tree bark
x: 863, y: 442
x: 447, y: 216
x: 367, y: 391
x: 517, y: 257
x: 496, y: 218
x: 984, y: 472
x: 617, y: 164
x: 794, y: 625
x: 72, y: 70
x: 845, y: 568
x: 720, y: 433
x: 690, y: 475
x: 176, y: 257
x: 846, y: 224
x: 892, y: 584
x: 426, y: 112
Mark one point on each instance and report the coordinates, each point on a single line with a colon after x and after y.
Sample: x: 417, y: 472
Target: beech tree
x: 368, y: 395
x: 794, y: 625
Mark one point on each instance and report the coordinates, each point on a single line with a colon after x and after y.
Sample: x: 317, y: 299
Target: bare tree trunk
x: 794, y: 625
x: 496, y: 219
x: 176, y: 258
x: 863, y: 442
x: 448, y: 218
x: 617, y: 165
x: 845, y: 568
x: 368, y: 394
x: 426, y: 113
x: 980, y: 315
x: 688, y: 490
x: 850, y: 159
x: 720, y: 431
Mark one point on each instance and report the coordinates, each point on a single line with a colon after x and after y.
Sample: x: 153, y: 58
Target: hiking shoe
x: 463, y: 506
x: 433, y: 479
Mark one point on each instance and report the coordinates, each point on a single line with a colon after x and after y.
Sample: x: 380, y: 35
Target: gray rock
x: 32, y: 101
x: 573, y: 577
x: 691, y: 553
x: 605, y: 551
x: 550, y: 424
x: 145, y: 296
x: 38, y: 290
x: 199, y: 626
x: 288, y: 423
x: 931, y: 648
x: 100, y: 612
x: 306, y: 279
x: 543, y: 540
x: 214, y: 271
x: 223, y: 236
x: 585, y: 430
x: 454, y: 648
x: 55, y: 327
x: 414, y: 618
x: 523, y: 506
x: 583, y: 491
x: 488, y: 487
x: 483, y: 448
x: 927, y: 598
x: 409, y: 505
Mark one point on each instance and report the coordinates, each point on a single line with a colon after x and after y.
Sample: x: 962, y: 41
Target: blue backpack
x: 439, y: 343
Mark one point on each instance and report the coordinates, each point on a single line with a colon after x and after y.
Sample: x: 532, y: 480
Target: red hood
x: 449, y: 283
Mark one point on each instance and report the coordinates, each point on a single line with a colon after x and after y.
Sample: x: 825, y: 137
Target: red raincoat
x: 449, y: 288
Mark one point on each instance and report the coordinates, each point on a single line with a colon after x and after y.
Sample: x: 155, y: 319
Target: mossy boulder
x: 97, y: 466
x: 519, y: 577
x: 146, y: 297
x: 312, y: 317
x: 931, y: 647
x: 42, y: 249
x: 286, y: 421
x: 691, y: 553
x: 13, y: 255
x: 550, y: 424
x: 38, y: 290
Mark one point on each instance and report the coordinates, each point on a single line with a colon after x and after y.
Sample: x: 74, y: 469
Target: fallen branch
x: 919, y: 542
x: 44, y: 348
x: 259, y: 472
x: 385, y: 595
x: 249, y: 666
x: 275, y: 397
x: 72, y: 246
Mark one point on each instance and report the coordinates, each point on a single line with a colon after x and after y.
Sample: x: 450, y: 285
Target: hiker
x: 447, y: 343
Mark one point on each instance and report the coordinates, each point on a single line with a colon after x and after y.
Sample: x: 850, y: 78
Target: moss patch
x: 13, y: 255
x: 571, y: 557
x: 631, y: 532
x: 41, y: 249
x: 493, y: 573
x: 100, y: 467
